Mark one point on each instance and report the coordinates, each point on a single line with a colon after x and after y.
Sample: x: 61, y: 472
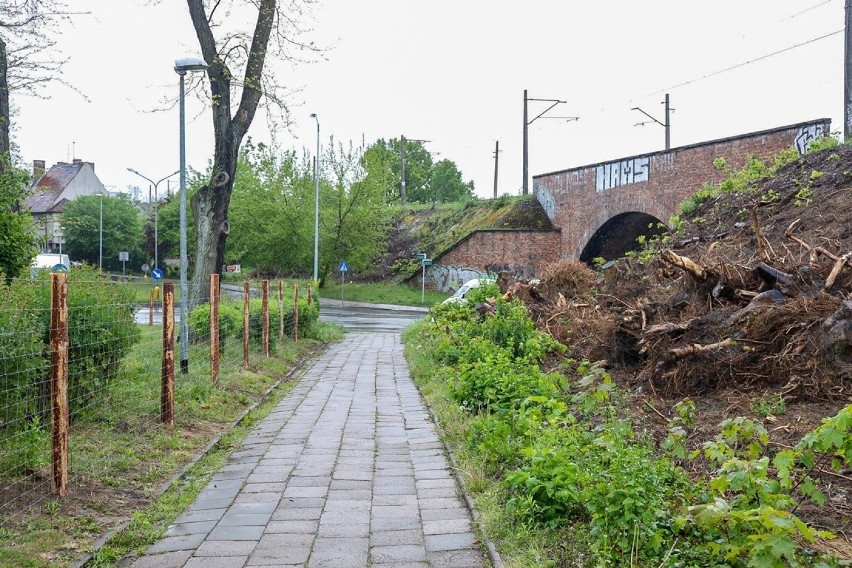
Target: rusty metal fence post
x: 281, y: 334
x: 309, y: 294
x: 246, y: 294
x: 214, y: 329
x: 296, y: 312
x: 167, y: 389
x: 151, y: 307
x: 59, y: 381
x: 264, y: 314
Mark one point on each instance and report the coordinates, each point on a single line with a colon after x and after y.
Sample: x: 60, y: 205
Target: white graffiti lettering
x: 625, y: 172
x: 808, y: 134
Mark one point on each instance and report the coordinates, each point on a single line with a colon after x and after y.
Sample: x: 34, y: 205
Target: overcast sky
x: 453, y: 72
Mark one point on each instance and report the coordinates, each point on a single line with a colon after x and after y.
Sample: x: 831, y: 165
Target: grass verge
x: 121, y: 455
x: 521, y: 545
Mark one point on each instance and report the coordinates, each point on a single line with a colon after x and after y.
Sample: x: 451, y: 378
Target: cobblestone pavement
x: 347, y: 471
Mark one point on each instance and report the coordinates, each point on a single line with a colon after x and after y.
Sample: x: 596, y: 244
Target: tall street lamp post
x: 181, y: 68
x: 316, y: 201
x: 156, y: 209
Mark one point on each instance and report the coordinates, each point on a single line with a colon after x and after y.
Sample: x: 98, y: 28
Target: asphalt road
x: 353, y: 316
x: 357, y: 316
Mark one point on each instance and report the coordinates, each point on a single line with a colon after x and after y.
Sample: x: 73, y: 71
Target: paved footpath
x: 347, y: 471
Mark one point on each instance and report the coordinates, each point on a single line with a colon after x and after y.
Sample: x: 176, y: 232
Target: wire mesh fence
x: 87, y: 370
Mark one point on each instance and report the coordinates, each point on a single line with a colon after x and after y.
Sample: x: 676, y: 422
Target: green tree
x: 353, y: 210
x: 425, y: 180
x: 381, y: 164
x: 239, y: 82
x: 272, y: 224
x: 122, y: 230
x: 17, y: 234
x: 446, y: 184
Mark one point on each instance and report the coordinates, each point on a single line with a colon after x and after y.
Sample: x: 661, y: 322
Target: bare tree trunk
x: 210, y: 203
x: 5, y: 156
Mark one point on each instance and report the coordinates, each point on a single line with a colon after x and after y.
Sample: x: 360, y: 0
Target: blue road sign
x: 60, y: 268
x: 344, y: 267
x: 156, y: 274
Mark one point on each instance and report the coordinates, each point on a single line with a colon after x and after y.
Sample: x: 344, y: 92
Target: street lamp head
x: 189, y: 64
x: 313, y: 115
x: 131, y: 170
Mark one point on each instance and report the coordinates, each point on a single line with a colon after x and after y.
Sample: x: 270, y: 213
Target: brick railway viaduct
x: 599, y: 210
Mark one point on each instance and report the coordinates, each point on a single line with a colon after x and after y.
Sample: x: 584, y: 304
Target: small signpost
x: 123, y: 257
x: 343, y: 268
x: 424, y: 262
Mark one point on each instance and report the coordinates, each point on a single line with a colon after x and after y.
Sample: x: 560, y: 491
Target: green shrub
x: 24, y: 363
x: 231, y: 320
x: 101, y: 330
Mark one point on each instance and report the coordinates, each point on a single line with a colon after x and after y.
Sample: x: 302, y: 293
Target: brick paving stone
x: 219, y: 562
x: 397, y: 553
x: 395, y: 538
x: 165, y: 560
x: 181, y: 529
x: 347, y: 471
x: 225, y: 548
x: 307, y: 527
x: 250, y: 532
x: 452, y: 541
x: 203, y: 515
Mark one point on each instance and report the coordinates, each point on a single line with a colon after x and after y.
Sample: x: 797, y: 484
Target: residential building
x: 52, y: 190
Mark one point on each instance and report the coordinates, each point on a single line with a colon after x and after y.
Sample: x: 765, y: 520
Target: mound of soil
x: 751, y: 300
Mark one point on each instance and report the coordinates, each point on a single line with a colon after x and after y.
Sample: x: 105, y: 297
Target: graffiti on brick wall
x: 519, y: 272
x: 545, y: 199
x: 625, y: 172
x: 807, y: 134
x: 448, y: 278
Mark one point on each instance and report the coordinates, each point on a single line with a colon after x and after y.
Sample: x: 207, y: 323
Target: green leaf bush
x: 565, y: 455
x: 231, y: 320
x: 101, y: 330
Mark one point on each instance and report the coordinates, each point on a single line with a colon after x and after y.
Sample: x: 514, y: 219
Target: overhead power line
x: 806, y: 10
x: 743, y: 64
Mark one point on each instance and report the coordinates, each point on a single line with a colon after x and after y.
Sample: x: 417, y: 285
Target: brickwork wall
x: 580, y: 200
x: 525, y: 253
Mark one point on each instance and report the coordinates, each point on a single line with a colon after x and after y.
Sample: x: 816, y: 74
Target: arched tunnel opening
x: 619, y: 235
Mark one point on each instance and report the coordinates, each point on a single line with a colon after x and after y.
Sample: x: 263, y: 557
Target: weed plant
x: 550, y: 455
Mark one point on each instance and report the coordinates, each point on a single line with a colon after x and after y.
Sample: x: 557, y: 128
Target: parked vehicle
x: 461, y: 293
x: 49, y: 261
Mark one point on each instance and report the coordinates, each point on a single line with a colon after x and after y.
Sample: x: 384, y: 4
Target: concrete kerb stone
x: 493, y: 555
x: 300, y: 366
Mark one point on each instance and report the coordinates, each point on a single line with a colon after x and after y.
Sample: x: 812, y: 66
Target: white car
x: 460, y: 294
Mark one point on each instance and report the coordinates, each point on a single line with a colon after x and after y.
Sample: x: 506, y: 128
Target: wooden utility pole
x: 167, y: 378
x: 246, y: 323
x: 847, y: 75
x: 496, y: 160
x: 264, y: 314
x: 214, y: 329
x: 59, y: 344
